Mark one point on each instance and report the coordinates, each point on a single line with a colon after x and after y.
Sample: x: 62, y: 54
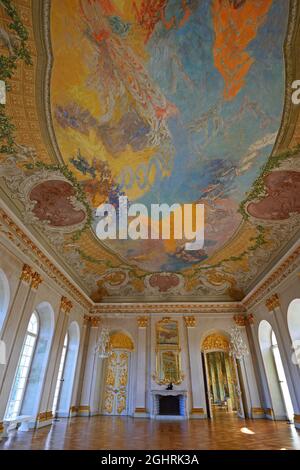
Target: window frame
x: 33, y: 350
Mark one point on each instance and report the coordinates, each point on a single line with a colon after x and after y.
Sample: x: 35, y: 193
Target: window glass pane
x: 22, y: 372
x: 60, y: 373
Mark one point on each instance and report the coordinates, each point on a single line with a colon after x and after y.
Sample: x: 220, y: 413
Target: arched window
x: 60, y: 374
x: 4, y: 297
x: 28, y: 383
x: 279, y: 392
x: 22, y: 373
x: 293, y: 320
x: 281, y: 377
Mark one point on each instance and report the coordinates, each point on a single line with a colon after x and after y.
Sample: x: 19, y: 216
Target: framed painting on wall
x: 167, y: 333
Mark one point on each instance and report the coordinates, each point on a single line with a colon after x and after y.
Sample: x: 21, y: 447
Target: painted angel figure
x: 120, y: 72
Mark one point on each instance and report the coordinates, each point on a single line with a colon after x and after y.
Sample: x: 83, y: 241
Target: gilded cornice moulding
x: 272, y: 302
x: 166, y: 309
x: 190, y: 322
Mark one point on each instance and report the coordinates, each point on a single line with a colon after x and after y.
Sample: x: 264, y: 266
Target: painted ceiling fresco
x: 165, y: 101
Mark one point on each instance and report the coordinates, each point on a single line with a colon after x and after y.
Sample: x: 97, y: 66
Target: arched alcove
x: 280, y: 397
x: 293, y: 321
x: 4, y: 297
x: 220, y: 372
x: 66, y: 375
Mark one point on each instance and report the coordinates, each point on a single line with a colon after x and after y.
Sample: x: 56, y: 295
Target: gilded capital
x: 142, y: 322
x: 250, y: 319
x: 86, y: 319
x: 272, y: 302
x: 36, y: 280
x: 26, y: 273
x: 190, y: 322
x: 240, y: 319
x: 65, y: 304
x: 95, y: 321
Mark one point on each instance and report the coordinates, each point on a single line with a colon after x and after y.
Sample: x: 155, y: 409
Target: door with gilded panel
x: 116, y: 383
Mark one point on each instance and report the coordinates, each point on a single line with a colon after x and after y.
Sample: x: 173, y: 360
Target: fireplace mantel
x: 155, y: 403
x: 169, y: 392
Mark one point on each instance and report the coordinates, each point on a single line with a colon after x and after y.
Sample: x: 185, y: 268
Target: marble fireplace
x: 169, y: 404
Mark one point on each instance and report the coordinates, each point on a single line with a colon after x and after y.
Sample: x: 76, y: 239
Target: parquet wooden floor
x: 101, y: 432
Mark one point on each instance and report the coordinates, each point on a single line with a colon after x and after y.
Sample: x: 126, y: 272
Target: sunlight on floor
x: 247, y: 431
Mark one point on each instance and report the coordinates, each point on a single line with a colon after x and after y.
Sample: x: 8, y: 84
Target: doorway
x: 117, y: 373
x: 221, y: 379
x: 223, y: 394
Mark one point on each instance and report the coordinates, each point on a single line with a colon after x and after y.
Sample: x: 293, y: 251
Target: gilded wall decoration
x: 116, y: 383
x: 168, y: 355
x: 215, y: 341
x: 120, y: 340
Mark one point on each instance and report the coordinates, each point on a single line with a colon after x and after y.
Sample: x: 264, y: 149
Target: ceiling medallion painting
x: 166, y: 101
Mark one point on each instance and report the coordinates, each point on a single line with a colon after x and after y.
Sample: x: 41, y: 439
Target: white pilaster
x: 140, y: 390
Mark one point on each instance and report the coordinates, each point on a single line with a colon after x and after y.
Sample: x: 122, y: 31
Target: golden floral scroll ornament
x: 215, y: 341
x: 121, y: 341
